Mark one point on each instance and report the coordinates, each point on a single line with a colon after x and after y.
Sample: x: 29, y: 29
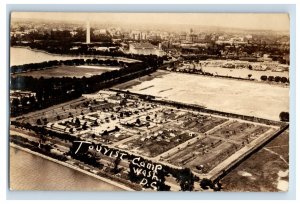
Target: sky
x: 260, y: 21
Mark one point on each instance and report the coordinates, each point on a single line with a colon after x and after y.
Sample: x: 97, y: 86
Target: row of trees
x: 276, y: 79
x: 36, y: 147
x: 73, y: 62
x: 184, y: 177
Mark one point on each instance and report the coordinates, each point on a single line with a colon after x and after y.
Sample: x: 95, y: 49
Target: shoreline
x: 125, y: 188
x: 70, y: 55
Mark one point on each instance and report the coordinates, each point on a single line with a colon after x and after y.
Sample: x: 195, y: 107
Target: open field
x: 243, y: 73
x: 266, y: 170
x: 68, y: 71
x: 135, y: 82
x: 248, y: 98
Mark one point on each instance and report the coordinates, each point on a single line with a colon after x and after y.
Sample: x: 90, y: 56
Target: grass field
x: 68, y: 71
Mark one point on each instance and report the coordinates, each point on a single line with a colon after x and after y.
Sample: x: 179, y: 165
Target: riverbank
x: 121, y: 186
x: 75, y: 56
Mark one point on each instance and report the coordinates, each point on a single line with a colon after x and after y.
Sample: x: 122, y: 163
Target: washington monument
x: 88, y: 34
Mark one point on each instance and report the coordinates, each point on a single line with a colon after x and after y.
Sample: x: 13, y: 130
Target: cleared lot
x: 248, y: 98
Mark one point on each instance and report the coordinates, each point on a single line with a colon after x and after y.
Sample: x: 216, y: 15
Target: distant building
x: 100, y: 32
x: 145, y: 49
x: 182, y: 36
x: 138, y: 35
x: 192, y: 38
x: 18, y: 94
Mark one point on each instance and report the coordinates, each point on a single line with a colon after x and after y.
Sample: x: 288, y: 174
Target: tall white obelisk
x: 88, y: 33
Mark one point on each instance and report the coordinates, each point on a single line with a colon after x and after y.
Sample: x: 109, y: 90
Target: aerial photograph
x: 149, y: 101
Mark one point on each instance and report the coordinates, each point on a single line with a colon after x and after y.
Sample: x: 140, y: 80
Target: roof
x: 145, y: 45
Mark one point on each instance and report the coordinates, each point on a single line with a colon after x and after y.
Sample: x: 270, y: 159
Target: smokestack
x: 88, y: 33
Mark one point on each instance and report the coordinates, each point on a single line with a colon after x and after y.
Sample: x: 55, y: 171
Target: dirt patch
x: 248, y: 98
x: 135, y: 82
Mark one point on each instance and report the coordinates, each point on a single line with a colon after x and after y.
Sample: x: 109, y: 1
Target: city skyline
x: 252, y: 21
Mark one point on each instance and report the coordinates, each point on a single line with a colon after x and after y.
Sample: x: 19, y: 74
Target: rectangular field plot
x: 199, y: 123
x: 240, y: 131
x: 112, y: 137
x: 203, y: 155
x: 156, y: 142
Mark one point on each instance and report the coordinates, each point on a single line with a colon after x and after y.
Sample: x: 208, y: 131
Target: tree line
x: 52, y: 91
x: 275, y: 79
x: 72, y: 62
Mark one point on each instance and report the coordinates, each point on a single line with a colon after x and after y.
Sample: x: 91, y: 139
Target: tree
x: 249, y: 76
x: 15, y: 102
x: 185, y: 179
x: 131, y: 175
x: 277, y: 79
x: 24, y: 101
x: 138, y: 121
x: 71, y: 130
x: 117, y: 161
x: 206, y: 184
x: 271, y: 78
x: 84, y: 126
x: 45, y: 121
x: 263, y: 78
x: 39, y: 122
x: 105, y: 133
x: 283, y: 80
x: 284, y: 116
x: 77, y: 122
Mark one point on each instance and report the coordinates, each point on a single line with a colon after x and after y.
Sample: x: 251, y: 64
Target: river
x: 23, y: 55
x: 20, y: 55
x: 31, y: 172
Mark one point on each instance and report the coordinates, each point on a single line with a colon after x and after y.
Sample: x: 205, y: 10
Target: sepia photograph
x: 149, y: 101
